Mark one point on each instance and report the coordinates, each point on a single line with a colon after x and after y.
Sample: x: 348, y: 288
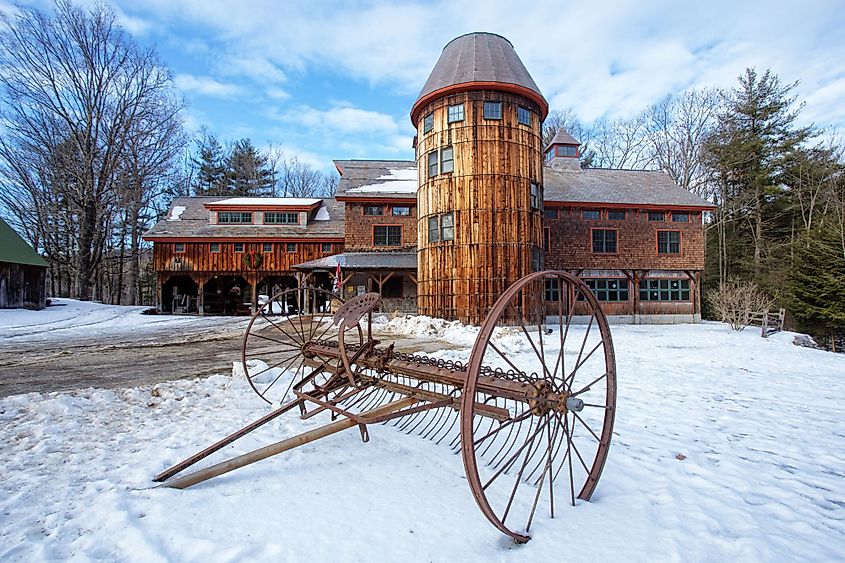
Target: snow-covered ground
x: 727, y: 447
x: 69, y: 319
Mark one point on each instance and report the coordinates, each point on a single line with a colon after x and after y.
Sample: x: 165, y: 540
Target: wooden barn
x: 23, y: 273
x: 482, y: 204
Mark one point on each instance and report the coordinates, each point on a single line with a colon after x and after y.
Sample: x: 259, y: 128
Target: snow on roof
x: 403, y: 180
x: 176, y: 213
x: 322, y: 214
x: 268, y: 201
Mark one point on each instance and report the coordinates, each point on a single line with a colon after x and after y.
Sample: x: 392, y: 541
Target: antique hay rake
x: 535, y: 400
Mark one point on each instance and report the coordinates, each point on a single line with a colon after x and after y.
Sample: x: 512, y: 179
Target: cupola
x: 563, y: 151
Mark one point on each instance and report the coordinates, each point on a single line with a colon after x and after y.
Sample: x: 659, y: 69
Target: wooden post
x: 283, y: 446
x: 201, y: 297
x: 636, y: 299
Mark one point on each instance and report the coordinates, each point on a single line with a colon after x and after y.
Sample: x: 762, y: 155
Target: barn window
x: 373, y: 210
x: 239, y: 247
x: 237, y: 217
x: 680, y: 217
x: 433, y: 229
x: 428, y: 123
x: 387, y: 235
x: 290, y: 247
x: 492, y: 110
x: 668, y: 242
x: 608, y: 289
x: 327, y: 247
x: 523, y: 115
x: 550, y: 214
x: 268, y: 247
x: 275, y: 218
x: 664, y: 290
x: 401, y: 211
x: 432, y: 164
x: 552, y: 289
x: 179, y: 247
x: 456, y: 113
x: 447, y: 160
x: 447, y: 227
x: 604, y: 241
x: 214, y: 247
x: 567, y: 150
x: 591, y: 214
x: 535, y: 196
x: 656, y: 216
x: 616, y: 215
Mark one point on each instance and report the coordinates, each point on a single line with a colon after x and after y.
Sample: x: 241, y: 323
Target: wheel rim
x: 273, y: 351
x: 549, y: 450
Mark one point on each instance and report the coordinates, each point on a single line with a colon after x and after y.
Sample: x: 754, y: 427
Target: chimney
x: 563, y: 152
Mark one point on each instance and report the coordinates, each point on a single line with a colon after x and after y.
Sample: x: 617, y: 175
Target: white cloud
x: 342, y: 119
x: 206, y: 86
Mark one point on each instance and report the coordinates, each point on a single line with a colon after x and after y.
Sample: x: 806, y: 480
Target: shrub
x: 734, y: 301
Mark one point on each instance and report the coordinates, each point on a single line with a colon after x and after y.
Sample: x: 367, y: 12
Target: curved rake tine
x: 495, y: 464
x: 455, y: 418
x: 425, y: 432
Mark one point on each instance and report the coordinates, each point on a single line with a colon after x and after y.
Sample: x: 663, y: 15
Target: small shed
x: 23, y: 273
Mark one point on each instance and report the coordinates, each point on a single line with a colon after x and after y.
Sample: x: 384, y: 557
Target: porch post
x: 200, y: 297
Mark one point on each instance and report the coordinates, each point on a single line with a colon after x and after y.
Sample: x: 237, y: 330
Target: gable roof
x: 478, y: 60
x: 368, y: 179
x: 188, y: 218
x: 621, y: 187
x: 15, y: 250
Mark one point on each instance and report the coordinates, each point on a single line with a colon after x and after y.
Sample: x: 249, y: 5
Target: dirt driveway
x: 130, y: 361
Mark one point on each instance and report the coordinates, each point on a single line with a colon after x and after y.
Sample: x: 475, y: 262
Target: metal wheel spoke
x: 589, y: 385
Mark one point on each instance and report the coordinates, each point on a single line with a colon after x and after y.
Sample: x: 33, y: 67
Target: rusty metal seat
x: 354, y: 310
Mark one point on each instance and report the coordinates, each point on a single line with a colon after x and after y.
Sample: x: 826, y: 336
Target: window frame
x: 287, y: 214
x: 562, y: 150
x: 685, y: 214
x: 444, y: 160
x: 523, y: 111
x: 178, y: 247
x: 231, y: 214
x: 387, y: 228
x: 433, y: 221
x: 428, y: 123
x: 682, y: 289
x: 369, y: 208
x: 669, y: 242
x: 324, y: 245
x: 655, y: 219
x: 267, y: 247
x: 622, y: 211
x: 535, y: 195
x: 455, y: 119
x: 550, y: 213
x: 602, y: 294
x: 491, y: 105
x: 235, y: 246
x: 584, y: 214
x: 552, y: 289
x: 290, y: 247
x: 211, y: 246
x: 393, y: 209
x: 615, y: 231
x: 451, y: 217
x: 436, y: 163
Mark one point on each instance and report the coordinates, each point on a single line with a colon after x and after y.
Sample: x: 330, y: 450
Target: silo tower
x: 480, y: 169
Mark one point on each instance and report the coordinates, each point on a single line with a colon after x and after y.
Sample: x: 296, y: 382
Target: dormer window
x: 567, y: 150
x: 234, y: 217
x: 428, y: 123
x: 276, y: 218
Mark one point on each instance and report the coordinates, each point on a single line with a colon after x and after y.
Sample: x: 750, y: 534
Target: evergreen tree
x: 754, y: 136
x: 210, y: 176
x: 247, y: 171
x: 817, y: 283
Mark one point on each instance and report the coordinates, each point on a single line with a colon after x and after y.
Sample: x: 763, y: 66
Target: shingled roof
x: 623, y: 187
x: 188, y: 218
x: 363, y: 261
x: 377, y: 178
x: 478, y: 60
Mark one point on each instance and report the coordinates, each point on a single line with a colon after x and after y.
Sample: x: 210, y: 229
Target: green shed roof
x: 15, y: 250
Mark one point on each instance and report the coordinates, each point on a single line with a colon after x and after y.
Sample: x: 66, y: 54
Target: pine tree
x: 817, y: 283
x: 211, y: 173
x: 247, y: 171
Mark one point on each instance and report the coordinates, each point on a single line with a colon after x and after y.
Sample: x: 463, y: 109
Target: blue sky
x: 328, y: 80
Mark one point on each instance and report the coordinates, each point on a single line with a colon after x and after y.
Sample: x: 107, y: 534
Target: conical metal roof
x: 478, y: 61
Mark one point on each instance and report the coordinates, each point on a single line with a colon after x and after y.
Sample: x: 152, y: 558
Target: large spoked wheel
x: 548, y: 340
x: 275, y: 354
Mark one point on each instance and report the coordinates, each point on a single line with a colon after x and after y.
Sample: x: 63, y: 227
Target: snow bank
x: 727, y: 447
